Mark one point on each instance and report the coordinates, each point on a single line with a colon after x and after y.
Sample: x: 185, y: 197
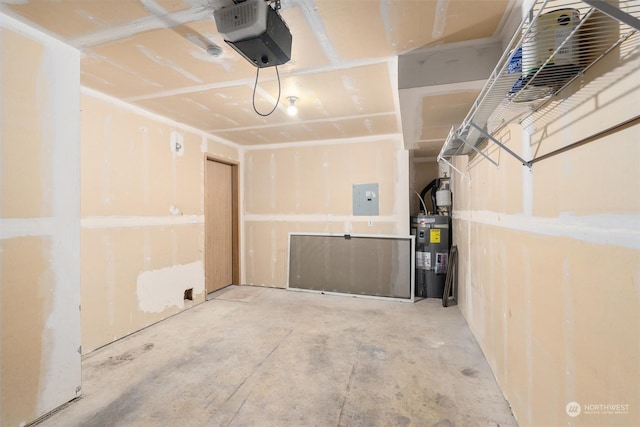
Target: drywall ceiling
x: 152, y: 53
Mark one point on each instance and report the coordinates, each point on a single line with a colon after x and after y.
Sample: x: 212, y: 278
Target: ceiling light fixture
x: 292, y: 110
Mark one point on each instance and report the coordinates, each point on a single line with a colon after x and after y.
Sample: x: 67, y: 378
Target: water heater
x: 433, y: 242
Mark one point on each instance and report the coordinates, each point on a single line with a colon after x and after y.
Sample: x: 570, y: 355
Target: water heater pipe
x: 421, y: 201
x: 432, y: 186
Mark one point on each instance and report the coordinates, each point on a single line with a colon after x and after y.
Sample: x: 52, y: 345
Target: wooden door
x: 218, y: 225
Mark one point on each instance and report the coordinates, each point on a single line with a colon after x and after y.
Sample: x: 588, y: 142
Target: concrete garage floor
x: 270, y: 357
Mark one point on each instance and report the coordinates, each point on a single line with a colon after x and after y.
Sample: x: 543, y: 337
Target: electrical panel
x: 365, y: 199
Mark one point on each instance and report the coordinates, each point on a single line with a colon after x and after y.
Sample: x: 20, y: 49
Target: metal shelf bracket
x: 615, y: 13
x: 448, y: 163
x: 501, y: 145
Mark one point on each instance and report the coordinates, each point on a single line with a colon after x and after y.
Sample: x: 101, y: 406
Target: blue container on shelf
x: 515, y: 63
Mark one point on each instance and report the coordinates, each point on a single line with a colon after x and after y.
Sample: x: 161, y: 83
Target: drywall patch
x: 309, y: 10
x: 527, y: 174
x: 10, y: 228
x: 155, y: 117
x: 139, y: 221
x: 176, y: 142
x: 59, y: 87
x: 160, y: 289
x: 400, y: 205
x: 146, y: 156
x: 588, y: 228
x: 167, y: 63
x: 297, y: 171
x: 105, y: 173
x: 272, y: 175
x: 274, y: 254
x: 153, y: 7
x: 569, y: 334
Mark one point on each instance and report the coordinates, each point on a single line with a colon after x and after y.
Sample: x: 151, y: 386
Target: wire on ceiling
x: 254, y: 94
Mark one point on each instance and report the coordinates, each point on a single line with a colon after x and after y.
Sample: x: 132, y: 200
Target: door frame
x: 235, y: 214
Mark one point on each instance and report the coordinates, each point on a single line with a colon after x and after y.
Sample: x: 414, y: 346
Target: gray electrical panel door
x: 365, y: 199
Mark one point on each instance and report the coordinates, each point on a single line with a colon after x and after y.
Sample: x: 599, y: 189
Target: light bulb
x: 292, y: 110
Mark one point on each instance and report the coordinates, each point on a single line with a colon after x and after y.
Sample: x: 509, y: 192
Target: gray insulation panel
x: 374, y: 266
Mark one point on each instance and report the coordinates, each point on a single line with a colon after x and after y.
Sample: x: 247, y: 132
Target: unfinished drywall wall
x: 142, y: 217
x: 308, y: 188
x: 549, y: 269
x: 39, y: 223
